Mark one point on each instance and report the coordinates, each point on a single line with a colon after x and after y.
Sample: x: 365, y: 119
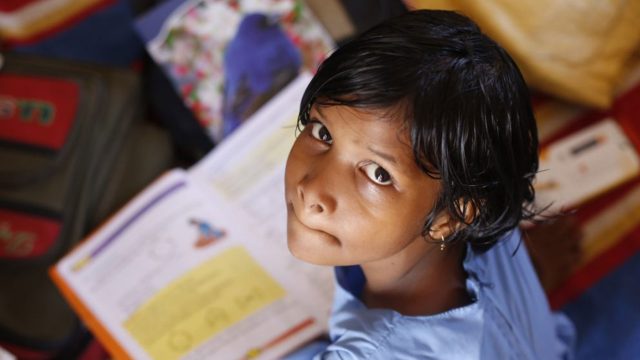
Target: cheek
x: 375, y: 230
x: 369, y: 241
x: 375, y: 196
x: 383, y: 223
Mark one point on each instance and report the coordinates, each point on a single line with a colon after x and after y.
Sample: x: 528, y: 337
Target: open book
x: 196, y: 266
x: 585, y: 164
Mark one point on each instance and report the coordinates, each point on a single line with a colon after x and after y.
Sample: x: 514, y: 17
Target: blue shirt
x: 509, y: 317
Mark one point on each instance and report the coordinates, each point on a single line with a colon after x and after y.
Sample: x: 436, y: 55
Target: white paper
x: 584, y: 165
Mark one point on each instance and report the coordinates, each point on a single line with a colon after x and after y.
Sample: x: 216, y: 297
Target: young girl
x: 411, y: 173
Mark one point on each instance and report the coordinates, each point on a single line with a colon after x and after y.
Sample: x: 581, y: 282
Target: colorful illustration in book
x: 207, y: 233
x: 250, y: 80
x: 228, y: 57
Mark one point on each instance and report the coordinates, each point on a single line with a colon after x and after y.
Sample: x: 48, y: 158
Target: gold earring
x: 442, y: 243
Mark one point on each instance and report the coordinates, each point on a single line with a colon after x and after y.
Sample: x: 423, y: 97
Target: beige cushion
x: 573, y: 49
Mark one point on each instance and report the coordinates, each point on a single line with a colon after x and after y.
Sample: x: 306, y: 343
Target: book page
x: 177, y: 274
x: 247, y: 169
x: 585, y: 164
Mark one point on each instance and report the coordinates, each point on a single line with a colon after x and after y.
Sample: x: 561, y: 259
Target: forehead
x: 385, y: 124
x: 374, y: 129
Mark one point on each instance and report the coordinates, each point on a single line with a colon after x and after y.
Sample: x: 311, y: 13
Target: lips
x: 307, y: 233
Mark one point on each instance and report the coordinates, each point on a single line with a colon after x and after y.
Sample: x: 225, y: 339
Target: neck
x: 421, y: 280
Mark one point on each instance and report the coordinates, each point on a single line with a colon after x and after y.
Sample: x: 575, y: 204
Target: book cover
x: 226, y: 58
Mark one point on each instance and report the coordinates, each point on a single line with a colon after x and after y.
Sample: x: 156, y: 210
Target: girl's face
x: 354, y: 193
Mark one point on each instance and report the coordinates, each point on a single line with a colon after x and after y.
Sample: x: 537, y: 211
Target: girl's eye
x: 320, y: 132
x: 377, y: 174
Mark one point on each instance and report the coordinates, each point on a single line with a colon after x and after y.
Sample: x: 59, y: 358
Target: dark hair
x: 466, y: 106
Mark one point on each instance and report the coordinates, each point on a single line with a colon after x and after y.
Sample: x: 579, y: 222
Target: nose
x: 315, y: 192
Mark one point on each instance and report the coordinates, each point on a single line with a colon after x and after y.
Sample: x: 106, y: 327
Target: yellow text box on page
x: 203, y: 302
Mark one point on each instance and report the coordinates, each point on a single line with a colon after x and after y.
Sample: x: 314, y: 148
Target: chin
x: 302, y: 248
x: 299, y: 249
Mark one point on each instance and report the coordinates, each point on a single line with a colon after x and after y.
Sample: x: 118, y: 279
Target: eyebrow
x: 317, y: 108
x: 385, y: 156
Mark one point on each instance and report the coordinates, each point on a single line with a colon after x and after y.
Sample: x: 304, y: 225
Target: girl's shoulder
x: 508, y: 317
x: 361, y: 333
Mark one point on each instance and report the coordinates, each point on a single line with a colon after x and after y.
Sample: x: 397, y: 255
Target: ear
x: 443, y: 226
x: 446, y: 224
